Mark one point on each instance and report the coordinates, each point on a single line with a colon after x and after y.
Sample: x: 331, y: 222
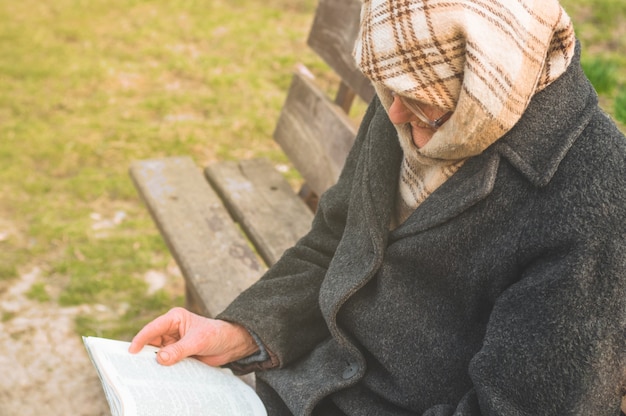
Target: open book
x: 136, y: 385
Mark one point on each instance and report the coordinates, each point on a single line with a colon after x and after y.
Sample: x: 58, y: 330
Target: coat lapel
x: 471, y: 183
x: 362, y: 246
x: 361, y: 250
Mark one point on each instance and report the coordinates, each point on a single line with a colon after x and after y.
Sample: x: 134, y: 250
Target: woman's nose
x: 398, y: 112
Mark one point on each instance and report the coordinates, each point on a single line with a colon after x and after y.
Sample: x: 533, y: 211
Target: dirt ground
x: 45, y: 368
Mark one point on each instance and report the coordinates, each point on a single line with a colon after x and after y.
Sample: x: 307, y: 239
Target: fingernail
x: 164, y: 356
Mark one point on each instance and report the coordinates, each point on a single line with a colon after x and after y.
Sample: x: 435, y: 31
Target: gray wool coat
x: 504, y: 293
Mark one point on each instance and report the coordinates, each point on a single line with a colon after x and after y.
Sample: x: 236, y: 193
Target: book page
x: 136, y: 385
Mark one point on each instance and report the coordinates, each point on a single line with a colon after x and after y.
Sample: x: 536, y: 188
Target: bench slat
x: 334, y: 30
x: 261, y: 200
x: 214, y: 257
x: 314, y: 133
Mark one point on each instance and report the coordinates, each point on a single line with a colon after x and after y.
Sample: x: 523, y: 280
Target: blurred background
x: 87, y: 86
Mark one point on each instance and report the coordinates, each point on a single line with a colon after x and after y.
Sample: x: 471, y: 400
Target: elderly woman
x: 470, y: 259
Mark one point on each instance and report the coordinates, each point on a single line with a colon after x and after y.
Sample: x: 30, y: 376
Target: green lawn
x: 88, y: 86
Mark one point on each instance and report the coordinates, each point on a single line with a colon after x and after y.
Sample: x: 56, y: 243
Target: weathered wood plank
x: 334, y: 30
x: 261, y: 200
x: 212, y: 254
x: 315, y: 134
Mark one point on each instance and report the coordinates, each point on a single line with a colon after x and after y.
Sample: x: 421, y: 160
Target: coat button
x: 350, y: 370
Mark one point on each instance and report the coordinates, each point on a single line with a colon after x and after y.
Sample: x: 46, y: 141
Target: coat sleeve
x: 555, y: 340
x: 555, y: 343
x: 282, y: 308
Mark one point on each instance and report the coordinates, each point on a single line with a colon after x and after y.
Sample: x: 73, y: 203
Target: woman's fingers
x: 161, y: 331
x: 182, y: 334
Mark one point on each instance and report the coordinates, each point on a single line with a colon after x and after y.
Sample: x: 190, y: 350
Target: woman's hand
x: 181, y: 334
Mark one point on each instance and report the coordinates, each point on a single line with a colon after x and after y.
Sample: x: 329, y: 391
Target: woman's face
x: 420, y: 131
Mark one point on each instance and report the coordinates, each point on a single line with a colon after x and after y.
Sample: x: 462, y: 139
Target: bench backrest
x: 314, y: 130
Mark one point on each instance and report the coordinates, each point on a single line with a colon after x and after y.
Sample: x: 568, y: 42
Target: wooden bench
x: 226, y: 226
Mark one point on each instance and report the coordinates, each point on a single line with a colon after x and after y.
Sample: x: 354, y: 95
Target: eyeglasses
x: 415, y: 109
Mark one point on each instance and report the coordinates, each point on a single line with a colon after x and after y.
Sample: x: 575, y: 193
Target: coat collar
x: 553, y: 120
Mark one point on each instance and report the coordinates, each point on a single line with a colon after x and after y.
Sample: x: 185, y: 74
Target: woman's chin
x: 421, y: 135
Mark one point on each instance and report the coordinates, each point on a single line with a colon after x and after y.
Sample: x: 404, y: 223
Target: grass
x: 88, y: 86
x: 603, y: 73
x: 601, y: 27
x: 620, y: 105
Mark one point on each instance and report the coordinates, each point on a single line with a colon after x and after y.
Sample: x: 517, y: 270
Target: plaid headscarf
x: 482, y: 59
